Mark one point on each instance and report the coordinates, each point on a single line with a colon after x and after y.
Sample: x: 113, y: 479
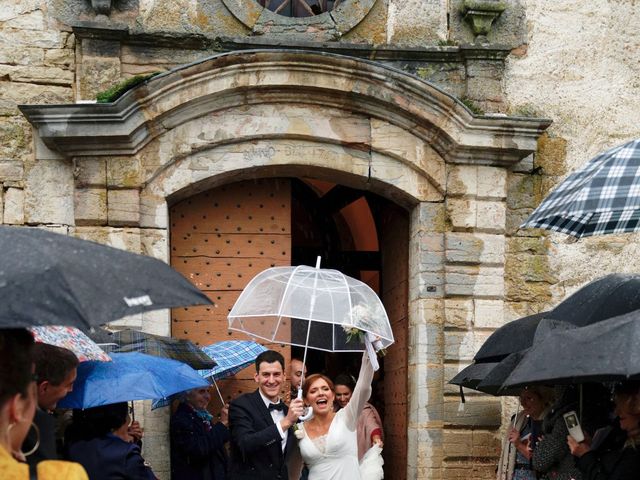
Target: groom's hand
x: 295, y: 410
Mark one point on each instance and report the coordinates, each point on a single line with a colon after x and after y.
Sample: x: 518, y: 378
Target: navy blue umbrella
x: 130, y: 376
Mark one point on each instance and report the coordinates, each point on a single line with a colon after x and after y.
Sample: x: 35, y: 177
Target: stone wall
x: 36, y: 66
x: 584, y: 76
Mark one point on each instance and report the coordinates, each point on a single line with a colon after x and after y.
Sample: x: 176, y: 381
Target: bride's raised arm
x: 361, y: 393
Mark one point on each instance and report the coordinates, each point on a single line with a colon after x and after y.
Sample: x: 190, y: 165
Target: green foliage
x: 447, y: 43
x: 115, y: 92
x: 470, y: 104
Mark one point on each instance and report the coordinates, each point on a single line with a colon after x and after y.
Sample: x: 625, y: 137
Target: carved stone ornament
x: 481, y: 13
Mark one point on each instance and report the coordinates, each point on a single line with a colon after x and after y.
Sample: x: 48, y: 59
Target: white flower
x: 298, y: 432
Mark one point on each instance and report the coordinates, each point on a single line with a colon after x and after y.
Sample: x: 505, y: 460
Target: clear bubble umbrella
x: 314, y: 308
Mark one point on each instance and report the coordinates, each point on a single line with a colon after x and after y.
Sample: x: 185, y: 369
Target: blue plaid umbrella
x: 231, y: 356
x: 601, y: 197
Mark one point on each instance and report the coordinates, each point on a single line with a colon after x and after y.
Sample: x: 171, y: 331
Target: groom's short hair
x: 269, y: 356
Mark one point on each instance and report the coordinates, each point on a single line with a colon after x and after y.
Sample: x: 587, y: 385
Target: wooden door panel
x: 221, y: 239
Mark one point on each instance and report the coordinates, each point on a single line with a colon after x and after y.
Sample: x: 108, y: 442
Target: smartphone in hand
x: 573, y: 425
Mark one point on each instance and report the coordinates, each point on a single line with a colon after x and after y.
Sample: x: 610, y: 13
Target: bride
x: 328, y: 444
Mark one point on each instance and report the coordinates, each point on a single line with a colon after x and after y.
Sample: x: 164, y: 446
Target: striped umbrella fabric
x: 602, y: 197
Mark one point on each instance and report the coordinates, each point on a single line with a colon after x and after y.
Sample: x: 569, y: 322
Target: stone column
x: 425, y: 343
x: 474, y: 273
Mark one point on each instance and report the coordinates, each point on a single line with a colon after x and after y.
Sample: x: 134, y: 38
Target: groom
x: 260, y: 425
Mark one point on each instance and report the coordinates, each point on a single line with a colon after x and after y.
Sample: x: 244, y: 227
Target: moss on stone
x: 551, y: 155
x: 472, y: 106
x: 115, y: 92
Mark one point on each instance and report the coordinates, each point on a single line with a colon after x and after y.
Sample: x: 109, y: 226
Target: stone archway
x: 293, y: 114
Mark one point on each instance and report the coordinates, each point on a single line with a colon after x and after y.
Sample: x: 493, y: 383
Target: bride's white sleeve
x: 360, y: 395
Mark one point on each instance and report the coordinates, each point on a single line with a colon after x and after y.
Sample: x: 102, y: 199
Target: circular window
x: 322, y: 19
x: 299, y: 8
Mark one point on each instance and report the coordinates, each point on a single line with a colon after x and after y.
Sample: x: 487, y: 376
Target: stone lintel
x: 364, y: 87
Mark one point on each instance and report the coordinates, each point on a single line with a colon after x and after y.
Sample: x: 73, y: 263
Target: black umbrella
x: 52, y: 279
x: 510, y: 338
x: 604, y: 351
x: 125, y: 341
x: 606, y: 297
x: 493, y: 381
x: 472, y: 375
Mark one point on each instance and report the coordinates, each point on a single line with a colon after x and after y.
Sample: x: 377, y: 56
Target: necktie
x: 276, y: 406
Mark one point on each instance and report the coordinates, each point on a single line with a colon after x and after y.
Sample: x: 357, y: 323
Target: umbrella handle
x: 309, y: 414
x: 219, y: 394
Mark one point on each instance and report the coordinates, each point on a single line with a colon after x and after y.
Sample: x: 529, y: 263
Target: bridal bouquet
x: 361, y: 314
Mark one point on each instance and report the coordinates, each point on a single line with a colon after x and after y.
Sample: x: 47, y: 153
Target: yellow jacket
x: 11, y: 469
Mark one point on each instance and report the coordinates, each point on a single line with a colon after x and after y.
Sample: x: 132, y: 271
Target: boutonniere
x: 298, y: 431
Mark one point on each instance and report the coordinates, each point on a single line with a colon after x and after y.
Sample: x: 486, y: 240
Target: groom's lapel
x: 261, y: 408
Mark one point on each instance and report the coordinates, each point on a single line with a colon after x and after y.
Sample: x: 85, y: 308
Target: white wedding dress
x: 334, y: 456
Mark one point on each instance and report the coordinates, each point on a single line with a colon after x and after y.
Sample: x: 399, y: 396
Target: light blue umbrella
x: 231, y: 356
x: 130, y: 376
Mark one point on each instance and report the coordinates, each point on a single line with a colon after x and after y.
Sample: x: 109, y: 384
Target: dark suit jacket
x: 256, y: 445
x: 197, y: 453
x: 110, y: 458
x: 46, y: 424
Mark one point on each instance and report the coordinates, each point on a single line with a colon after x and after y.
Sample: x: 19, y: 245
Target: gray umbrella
x: 605, y: 351
x: 52, y: 279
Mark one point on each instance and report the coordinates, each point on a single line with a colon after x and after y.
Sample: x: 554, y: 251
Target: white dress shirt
x: 277, y: 415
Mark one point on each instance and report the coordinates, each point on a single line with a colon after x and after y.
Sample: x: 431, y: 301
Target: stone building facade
x: 452, y: 119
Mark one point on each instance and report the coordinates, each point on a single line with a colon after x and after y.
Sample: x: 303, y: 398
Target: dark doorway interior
x: 338, y: 224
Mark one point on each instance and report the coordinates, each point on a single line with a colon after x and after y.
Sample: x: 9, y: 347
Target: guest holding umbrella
x: 551, y: 458
x: 99, y: 439
x: 197, y: 443
x: 523, y: 434
x: 17, y: 409
x: 616, y: 457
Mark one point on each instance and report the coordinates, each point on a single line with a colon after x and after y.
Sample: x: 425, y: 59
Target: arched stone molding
x: 265, y: 76
x: 367, y: 154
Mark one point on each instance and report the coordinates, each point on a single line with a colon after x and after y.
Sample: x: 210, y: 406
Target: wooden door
x: 220, y: 239
x: 394, y: 246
